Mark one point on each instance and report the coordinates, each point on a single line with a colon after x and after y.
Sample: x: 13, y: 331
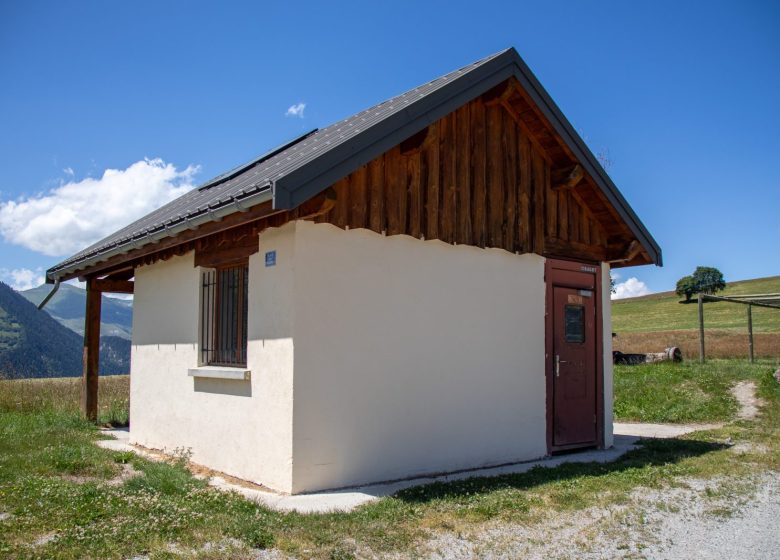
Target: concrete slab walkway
x: 350, y: 498
x: 626, y: 436
x: 662, y: 431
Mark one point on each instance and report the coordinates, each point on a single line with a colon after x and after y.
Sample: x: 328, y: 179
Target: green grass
x: 681, y: 393
x: 54, y: 482
x: 663, y: 312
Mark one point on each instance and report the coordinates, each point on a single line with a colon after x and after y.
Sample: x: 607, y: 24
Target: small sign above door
x: 574, y: 299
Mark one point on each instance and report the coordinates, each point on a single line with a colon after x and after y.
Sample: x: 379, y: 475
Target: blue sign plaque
x: 270, y: 258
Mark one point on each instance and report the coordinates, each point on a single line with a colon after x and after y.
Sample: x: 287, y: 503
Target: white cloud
x: 76, y: 214
x: 22, y: 278
x: 296, y: 110
x: 632, y: 287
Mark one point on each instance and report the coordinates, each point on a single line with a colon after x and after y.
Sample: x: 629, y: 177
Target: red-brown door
x: 574, y: 367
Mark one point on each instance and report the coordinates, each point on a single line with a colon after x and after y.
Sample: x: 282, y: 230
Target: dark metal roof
x: 301, y: 169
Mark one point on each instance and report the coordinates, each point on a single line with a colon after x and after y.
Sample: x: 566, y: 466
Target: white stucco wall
x: 243, y: 428
x: 413, y: 357
x: 410, y: 357
x: 606, y: 323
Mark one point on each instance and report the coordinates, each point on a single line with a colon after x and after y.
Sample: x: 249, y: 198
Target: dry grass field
x: 719, y: 343
x: 61, y: 396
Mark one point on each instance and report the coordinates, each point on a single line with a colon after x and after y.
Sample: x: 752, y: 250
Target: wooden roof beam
x: 500, y: 93
x: 113, y: 286
x: 624, y: 253
x: 414, y: 143
x: 126, y: 274
x: 566, y: 177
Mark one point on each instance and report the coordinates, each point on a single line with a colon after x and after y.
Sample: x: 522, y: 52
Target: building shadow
x: 651, y: 452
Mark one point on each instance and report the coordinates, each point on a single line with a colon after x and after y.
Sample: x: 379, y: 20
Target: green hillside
x: 663, y: 312
x: 69, y: 304
x: 33, y: 344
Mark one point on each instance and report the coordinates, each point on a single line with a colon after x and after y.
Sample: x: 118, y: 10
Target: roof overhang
x: 190, y: 222
x: 301, y: 184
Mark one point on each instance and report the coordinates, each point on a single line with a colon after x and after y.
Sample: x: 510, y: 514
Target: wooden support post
x: 701, y: 328
x: 750, y: 332
x: 89, y: 379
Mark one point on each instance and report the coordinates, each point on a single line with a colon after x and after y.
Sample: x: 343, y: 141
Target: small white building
x: 420, y: 288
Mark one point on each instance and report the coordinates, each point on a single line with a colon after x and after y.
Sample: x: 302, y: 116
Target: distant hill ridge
x: 34, y: 344
x: 664, y: 312
x: 768, y: 285
x: 69, y: 305
x: 653, y: 322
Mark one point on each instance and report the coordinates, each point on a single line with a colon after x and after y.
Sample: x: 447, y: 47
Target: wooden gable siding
x: 477, y: 178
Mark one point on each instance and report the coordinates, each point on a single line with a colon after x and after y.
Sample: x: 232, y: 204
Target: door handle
x: 558, y: 363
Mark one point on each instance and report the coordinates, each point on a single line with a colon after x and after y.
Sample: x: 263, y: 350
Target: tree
x: 686, y: 287
x: 704, y: 280
x: 708, y: 280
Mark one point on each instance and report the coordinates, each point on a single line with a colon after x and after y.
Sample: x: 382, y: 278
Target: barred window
x: 223, y: 316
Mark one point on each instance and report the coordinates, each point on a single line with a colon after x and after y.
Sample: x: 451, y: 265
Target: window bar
x: 239, y: 313
x: 220, y: 320
x: 202, y: 322
x: 224, y: 316
x: 245, y: 314
x: 212, y: 313
x: 217, y: 313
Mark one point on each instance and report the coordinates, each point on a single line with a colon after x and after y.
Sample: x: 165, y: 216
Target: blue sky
x: 683, y: 97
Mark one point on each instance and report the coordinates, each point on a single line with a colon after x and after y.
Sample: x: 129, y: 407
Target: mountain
x: 69, y: 305
x: 34, y: 344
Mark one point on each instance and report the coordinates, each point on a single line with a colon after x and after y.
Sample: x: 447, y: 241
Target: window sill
x: 220, y: 372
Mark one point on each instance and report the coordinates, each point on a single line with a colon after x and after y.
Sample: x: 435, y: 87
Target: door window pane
x: 574, y: 323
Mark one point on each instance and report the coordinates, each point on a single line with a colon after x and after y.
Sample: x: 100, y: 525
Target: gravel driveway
x: 678, y: 523
x: 751, y: 533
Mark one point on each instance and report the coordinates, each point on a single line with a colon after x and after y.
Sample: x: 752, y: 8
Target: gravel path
x: 751, y: 533
x: 704, y: 521
x: 745, y: 393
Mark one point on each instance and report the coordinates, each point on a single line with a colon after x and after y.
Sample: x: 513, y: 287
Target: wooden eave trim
x: 132, y: 257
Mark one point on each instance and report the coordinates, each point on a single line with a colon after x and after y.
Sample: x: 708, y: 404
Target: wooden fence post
x: 701, y: 328
x: 89, y: 379
x: 750, y: 331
